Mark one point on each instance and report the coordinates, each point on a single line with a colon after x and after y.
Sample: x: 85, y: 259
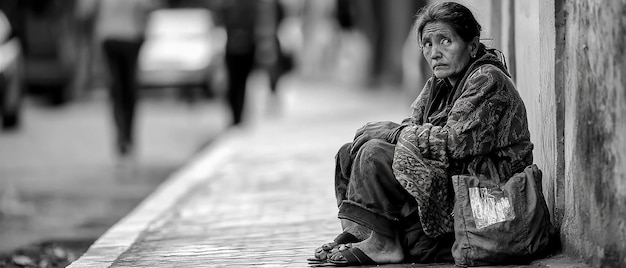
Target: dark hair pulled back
x: 459, y: 17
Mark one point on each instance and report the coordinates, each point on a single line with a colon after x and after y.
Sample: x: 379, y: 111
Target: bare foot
x: 379, y: 248
x: 360, y: 232
x: 355, y: 229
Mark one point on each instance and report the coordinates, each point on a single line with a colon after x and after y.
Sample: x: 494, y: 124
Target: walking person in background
x: 239, y: 18
x: 252, y: 37
x: 121, y: 25
x: 271, y: 55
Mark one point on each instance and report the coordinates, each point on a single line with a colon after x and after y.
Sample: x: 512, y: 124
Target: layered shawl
x: 483, y: 116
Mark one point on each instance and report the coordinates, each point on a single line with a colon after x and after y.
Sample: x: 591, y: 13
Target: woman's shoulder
x: 488, y: 75
x: 490, y: 70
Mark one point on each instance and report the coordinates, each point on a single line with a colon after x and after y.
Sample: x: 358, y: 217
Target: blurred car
x: 10, y: 75
x: 48, y: 49
x: 183, y: 48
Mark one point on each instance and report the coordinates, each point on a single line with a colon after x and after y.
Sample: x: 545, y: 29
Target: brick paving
x: 260, y: 196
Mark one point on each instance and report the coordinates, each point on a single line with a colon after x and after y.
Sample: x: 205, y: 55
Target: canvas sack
x: 501, y: 222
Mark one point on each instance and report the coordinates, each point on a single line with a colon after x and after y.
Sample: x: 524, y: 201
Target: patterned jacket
x: 483, y: 116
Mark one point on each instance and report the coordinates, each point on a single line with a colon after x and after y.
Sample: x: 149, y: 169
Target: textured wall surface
x: 534, y: 52
x: 595, y: 131
x: 506, y: 36
x: 570, y: 69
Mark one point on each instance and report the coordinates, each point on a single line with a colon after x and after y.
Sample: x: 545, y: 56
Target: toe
x: 329, y: 246
x: 344, y: 247
x: 336, y: 257
x: 321, y: 255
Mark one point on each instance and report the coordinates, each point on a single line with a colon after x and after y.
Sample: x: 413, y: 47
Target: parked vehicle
x: 10, y: 75
x: 48, y: 48
x: 183, y: 48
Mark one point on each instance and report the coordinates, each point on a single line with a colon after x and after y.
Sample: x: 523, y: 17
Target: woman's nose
x: 435, y: 52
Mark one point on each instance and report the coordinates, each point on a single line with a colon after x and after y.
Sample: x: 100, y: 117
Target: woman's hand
x: 374, y: 130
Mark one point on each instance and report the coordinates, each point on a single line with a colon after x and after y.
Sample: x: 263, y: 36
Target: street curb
x: 121, y: 236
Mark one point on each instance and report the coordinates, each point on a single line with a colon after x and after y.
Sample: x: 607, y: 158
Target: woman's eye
x: 427, y: 44
x: 445, y: 41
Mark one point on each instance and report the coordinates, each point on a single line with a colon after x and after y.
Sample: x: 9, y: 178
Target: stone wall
x: 569, y: 65
x: 594, y: 79
x: 534, y: 53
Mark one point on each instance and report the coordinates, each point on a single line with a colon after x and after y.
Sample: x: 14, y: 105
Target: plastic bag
x: 490, y: 206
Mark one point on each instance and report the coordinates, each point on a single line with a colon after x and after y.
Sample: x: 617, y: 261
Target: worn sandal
x: 321, y: 253
x: 352, y: 257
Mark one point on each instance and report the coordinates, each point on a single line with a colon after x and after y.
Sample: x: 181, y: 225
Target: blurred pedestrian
x: 271, y: 55
x: 239, y: 18
x: 84, y: 26
x: 121, y: 25
x: 252, y: 37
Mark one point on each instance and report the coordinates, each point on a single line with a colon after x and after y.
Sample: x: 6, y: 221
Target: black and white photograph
x: 312, y: 133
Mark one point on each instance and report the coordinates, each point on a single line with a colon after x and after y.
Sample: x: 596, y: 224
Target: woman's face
x: 446, y: 52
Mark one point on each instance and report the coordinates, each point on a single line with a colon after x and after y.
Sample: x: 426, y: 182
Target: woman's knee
x: 343, y: 154
x: 373, y: 148
x: 345, y: 148
x: 375, y: 157
x: 344, y: 160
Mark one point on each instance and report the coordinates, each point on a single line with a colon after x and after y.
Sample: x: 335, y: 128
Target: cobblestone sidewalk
x: 261, y: 196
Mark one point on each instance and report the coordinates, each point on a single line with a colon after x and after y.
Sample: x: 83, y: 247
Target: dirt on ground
x: 56, y: 228
x: 49, y: 254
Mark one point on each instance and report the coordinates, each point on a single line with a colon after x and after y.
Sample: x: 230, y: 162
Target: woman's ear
x: 474, y: 45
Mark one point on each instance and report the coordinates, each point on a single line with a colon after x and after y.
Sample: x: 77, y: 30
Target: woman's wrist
x: 394, y: 134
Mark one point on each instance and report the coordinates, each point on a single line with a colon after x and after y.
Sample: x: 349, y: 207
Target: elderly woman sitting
x: 393, y: 182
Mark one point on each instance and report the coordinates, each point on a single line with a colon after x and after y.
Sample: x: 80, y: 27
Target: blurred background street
x: 62, y: 179
x: 102, y: 100
x: 67, y: 170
